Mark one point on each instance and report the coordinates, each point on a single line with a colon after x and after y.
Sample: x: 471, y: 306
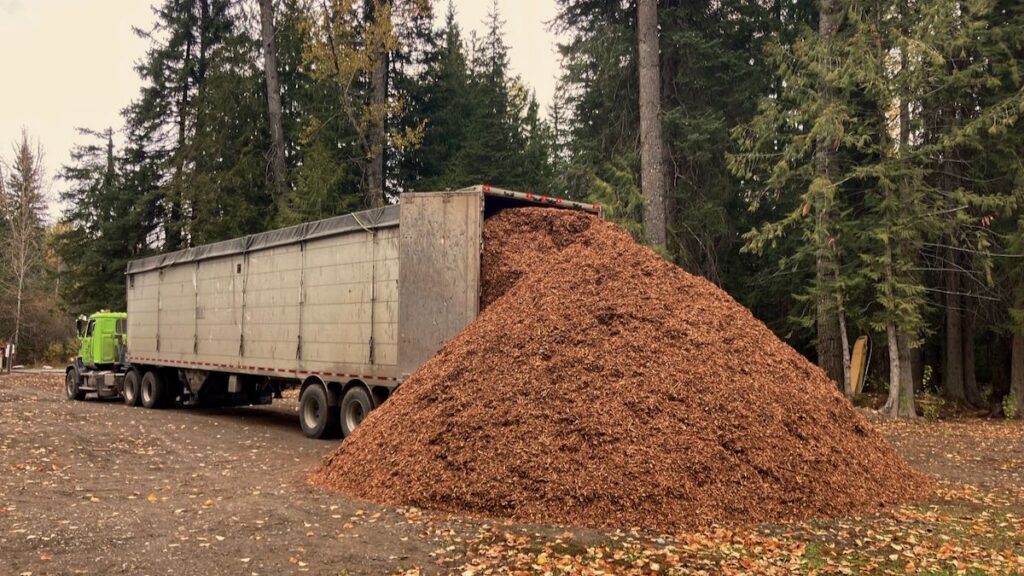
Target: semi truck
x: 344, y: 309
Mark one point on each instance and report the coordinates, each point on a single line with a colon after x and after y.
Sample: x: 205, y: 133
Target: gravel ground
x: 100, y: 488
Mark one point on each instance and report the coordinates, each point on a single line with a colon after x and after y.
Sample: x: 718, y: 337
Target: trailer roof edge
x: 372, y: 219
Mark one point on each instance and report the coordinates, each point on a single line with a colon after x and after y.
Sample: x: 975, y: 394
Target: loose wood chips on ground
x: 603, y: 386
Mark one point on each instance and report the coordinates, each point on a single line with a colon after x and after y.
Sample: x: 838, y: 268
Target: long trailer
x: 343, y: 308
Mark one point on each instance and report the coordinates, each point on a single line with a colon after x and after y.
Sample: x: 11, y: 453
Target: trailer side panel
x: 320, y: 299
x: 143, y: 312
x: 218, y: 312
x: 350, y: 308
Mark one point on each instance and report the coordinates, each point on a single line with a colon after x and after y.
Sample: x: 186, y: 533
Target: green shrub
x: 59, y: 352
x: 926, y: 379
x: 931, y: 405
x: 1010, y: 406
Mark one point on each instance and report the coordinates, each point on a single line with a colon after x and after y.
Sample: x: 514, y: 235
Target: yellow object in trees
x: 859, y: 364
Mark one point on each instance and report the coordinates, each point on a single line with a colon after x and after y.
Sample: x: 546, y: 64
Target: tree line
x: 254, y: 115
x: 842, y: 167
x: 30, y: 315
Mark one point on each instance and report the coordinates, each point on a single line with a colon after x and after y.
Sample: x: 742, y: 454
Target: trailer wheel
x: 355, y: 407
x: 152, y: 391
x: 71, y: 385
x: 131, y: 388
x: 316, y: 417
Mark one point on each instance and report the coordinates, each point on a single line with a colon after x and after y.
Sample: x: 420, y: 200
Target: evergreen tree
x: 187, y: 42
x: 411, y: 84
x: 491, y: 153
x: 441, y: 105
x: 326, y: 180
x: 226, y: 184
x: 22, y: 204
x: 350, y: 46
x: 95, y: 239
x: 600, y: 84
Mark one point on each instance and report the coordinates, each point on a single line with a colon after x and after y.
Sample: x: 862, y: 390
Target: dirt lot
x: 99, y: 488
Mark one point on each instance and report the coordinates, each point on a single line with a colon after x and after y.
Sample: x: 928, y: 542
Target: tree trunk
x: 844, y: 338
x: 953, y: 364
x: 379, y: 81
x: 892, y: 404
x: 999, y: 352
x: 17, y: 314
x: 668, y: 67
x: 173, y: 228
x: 969, y: 319
x: 901, y: 381
x: 828, y: 305
x: 906, y: 408
x: 652, y: 172
x: 1017, y: 368
x: 829, y: 338
x: 278, y: 169
x: 1017, y: 371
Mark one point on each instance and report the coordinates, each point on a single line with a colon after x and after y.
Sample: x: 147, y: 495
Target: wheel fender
x: 333, y: 390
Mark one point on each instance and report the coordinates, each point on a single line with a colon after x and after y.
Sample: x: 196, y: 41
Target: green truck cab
x: 97, y: 367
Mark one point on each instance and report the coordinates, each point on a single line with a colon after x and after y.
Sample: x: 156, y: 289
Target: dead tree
x: 278, y: 168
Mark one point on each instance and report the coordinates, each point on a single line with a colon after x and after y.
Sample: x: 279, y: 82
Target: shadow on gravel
x: 250, y: 416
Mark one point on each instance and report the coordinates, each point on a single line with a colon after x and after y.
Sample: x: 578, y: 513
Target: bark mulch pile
x: 603, y: 386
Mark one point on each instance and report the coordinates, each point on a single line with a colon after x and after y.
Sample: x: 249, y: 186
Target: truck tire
x: 355, y: 407
x: 317, y: 418
x: 71, y: 381
x: 131, y: 388
x: 151, y: 390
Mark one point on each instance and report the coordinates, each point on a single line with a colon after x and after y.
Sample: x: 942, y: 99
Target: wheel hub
x: 311, y: 414
x: 354, y: 415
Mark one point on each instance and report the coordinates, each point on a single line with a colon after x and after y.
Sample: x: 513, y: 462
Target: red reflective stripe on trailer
x: 263, y: 369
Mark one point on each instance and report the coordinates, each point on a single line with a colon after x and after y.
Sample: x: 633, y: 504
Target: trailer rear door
x: 439, y: 271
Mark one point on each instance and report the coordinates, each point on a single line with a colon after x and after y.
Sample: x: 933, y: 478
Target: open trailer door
x: 439, y: 262
x: 439, y: 271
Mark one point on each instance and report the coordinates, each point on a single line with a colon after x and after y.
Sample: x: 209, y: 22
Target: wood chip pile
x: 602, y: 386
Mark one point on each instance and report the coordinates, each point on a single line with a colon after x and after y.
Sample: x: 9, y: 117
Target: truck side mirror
x: 80, y: 326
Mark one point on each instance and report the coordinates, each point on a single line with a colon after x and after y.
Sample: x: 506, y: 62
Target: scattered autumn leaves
x: 973, y: 525
x: 964, y: 529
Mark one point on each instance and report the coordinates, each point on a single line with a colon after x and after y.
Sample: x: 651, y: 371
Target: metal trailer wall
x: 367, y: 296
x: 311, y: 300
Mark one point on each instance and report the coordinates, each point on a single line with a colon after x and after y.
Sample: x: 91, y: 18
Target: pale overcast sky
x: 68, y: 63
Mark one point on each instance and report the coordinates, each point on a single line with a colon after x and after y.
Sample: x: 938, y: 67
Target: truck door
x: 86, y: 349
x: 103, y: 337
